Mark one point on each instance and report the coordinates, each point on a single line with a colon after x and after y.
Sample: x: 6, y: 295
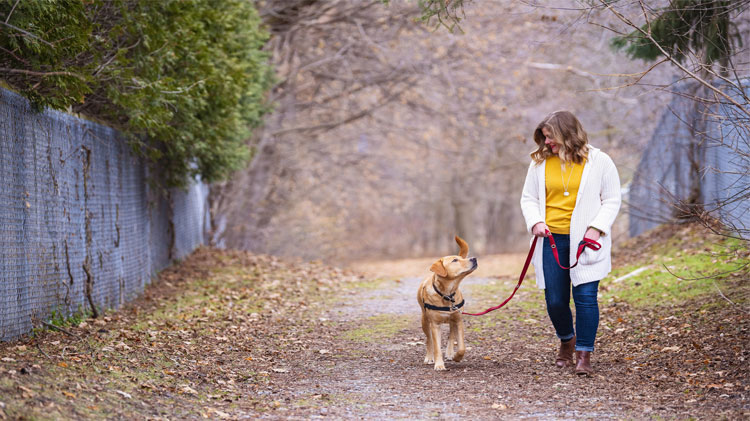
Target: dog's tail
x: 464, y: 248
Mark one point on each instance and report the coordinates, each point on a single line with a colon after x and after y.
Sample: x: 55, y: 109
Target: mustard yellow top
x: 559, y: 206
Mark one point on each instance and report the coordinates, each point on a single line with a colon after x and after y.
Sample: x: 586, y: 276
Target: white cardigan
x: 597, y: 204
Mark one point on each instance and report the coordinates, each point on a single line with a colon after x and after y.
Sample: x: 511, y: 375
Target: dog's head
x: 452, y: 267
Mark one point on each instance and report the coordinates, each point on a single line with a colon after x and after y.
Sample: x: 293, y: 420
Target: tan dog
x: 441, y: 301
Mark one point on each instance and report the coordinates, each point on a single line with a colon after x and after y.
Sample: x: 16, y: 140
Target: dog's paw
x: 458, y: 356
x: 439, y: 367
x: 429, y: 360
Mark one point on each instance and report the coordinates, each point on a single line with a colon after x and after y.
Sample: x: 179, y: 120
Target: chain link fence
x: 699, y: 153
x: 79, y: 222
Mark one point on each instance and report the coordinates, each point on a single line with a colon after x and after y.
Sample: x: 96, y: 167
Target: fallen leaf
x: 188, y: 389
x: 221, y: 414
x: 670, y: 348
x: 280, y: 370
x: 125, y: 394
x: 122, y: 346
x: 68, y: 394
x: 26, y: 392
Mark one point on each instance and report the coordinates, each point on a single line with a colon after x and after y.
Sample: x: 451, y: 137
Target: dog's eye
x: 454, y: 261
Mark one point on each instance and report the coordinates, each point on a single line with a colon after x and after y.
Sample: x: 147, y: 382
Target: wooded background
x: 389, y: 137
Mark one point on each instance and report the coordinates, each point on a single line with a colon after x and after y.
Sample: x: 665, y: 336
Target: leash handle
x: 518, y: 285
x: 586, y: 242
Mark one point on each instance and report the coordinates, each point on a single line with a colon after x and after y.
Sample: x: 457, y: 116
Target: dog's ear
x: 438, y: 268
x: 464, y: 251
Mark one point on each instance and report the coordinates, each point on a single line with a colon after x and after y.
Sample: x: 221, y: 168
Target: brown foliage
x: 388, y: 139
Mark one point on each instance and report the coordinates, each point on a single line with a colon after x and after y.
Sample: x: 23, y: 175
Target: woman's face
x: 551, y: 143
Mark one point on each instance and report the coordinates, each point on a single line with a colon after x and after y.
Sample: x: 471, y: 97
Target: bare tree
x: 703, y: 40
x: 389, y: 138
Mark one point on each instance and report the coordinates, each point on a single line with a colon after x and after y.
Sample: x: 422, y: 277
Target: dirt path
x: 376, y: 371
x: 374, y: 368
x: 230, y: 335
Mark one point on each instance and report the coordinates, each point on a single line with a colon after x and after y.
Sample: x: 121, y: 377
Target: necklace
x: 562, y: 176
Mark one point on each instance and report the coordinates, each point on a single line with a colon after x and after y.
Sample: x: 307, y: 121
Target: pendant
x: 566, y: 194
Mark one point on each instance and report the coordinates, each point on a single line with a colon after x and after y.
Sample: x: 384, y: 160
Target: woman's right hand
x: 540, y: 229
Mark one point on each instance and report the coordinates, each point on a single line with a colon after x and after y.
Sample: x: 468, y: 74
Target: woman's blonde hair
x: 566, y: 129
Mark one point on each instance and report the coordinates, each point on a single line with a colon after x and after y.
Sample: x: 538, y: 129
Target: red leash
x: 587, y: 242
x: 520, y: 280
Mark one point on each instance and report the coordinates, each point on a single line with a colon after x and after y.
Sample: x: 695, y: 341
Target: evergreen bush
x: 185, y: 79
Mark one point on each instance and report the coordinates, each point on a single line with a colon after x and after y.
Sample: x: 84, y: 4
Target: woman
x: 572, y: 191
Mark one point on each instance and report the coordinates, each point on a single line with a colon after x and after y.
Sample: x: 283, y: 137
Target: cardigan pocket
x: 591, y: 256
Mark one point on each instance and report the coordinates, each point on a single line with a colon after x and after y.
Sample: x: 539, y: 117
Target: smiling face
x: 561, y: 134
x: 549, y: 140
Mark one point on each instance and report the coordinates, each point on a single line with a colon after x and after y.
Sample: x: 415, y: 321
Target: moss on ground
x: 379, y: 327
x: 680, y: 269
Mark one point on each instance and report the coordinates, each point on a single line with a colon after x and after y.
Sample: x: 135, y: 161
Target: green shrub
x: 702, y: 26
x: 186, y: 80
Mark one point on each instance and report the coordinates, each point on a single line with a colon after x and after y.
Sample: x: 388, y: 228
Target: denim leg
x: 557, y: 287
x: 587, y: 315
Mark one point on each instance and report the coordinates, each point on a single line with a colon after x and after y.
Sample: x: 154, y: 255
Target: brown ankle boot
x: 583, y: 365
x: 565, y: 355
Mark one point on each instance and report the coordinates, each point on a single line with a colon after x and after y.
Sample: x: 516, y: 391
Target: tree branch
x: 43, y: 74
x: 671, y: 58
x: 27, y: 33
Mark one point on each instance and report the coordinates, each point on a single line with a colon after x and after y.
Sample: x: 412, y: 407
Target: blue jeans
x: 557, y: 296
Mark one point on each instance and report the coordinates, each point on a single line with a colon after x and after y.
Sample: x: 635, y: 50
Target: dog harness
x: 451, y: 298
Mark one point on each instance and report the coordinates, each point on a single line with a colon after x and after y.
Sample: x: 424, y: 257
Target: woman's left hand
x: 593, y: 234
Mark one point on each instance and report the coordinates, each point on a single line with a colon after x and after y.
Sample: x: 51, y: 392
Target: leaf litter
x: 231, y: 335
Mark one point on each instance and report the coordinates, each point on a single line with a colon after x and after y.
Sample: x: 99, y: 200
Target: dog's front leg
x: 451, y: 340
x: 460, y: 336
x: 439, y: 364
x: 429, y: 357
